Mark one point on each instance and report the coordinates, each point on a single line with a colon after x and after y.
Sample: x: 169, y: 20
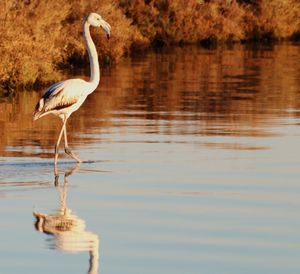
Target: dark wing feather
x: 54, y: 90
x: 51, y: 92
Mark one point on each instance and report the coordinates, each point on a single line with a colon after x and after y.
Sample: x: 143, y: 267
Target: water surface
x: 191, y: 166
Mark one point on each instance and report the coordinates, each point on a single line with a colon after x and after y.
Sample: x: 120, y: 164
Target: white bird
x: 65, y: 97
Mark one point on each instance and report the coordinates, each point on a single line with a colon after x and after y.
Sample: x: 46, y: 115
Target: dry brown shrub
x: 178, y: 21
x: 37, y: 37
x: 223, y: 20
x: 273, y: 19
x: 123, y: 34
x: 29, y: 40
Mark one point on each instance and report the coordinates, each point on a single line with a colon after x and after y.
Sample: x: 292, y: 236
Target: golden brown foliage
x: 273, y: 19
x: 175, y: 21
x: 38, y: 37
x: 29, y: 44
x: 123, y: 33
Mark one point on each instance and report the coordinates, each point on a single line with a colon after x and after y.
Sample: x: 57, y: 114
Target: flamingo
x: 65, y: 97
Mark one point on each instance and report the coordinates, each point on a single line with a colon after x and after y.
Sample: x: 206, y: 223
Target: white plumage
x: 65, y: 97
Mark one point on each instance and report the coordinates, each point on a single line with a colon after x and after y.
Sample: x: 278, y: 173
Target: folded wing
x: 59, y: 96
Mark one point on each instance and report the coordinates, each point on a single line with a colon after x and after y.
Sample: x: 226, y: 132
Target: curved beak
x: 106, y: 27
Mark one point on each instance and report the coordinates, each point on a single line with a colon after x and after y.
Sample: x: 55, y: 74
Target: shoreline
x: 83, y: 64
x: 45, y: 40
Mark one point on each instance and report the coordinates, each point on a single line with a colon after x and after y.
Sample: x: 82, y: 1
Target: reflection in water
x: 68, y: 230
x: 200, y: 146
x: 235, y: 92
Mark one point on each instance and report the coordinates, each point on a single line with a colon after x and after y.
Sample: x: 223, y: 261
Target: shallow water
x: 191, y: 166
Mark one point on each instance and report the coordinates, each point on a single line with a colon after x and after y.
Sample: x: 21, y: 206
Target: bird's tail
x: 38, y: 111
x: 36, y: 115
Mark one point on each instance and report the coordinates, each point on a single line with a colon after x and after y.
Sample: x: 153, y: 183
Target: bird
x: 65, y: 97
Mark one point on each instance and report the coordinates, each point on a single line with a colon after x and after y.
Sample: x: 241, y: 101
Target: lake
x: 191, y: 165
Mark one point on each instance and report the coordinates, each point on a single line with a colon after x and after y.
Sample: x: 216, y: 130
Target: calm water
x: 193, y: 168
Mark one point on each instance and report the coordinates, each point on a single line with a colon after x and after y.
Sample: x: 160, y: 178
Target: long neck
x: 91, y: 49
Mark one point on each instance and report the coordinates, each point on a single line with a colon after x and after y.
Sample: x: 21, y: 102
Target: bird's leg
x: 68, y: 150
x: 56, y: 150
x: 56, y: 175
x: 58, y: 142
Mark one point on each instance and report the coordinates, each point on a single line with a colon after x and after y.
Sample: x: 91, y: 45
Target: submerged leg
x: 68, y: 150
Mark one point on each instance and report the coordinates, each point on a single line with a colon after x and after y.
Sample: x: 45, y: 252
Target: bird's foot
x: 56, y: 182
x: 70, y: 152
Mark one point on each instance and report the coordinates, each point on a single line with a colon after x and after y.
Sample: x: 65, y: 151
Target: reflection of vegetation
x: 37, y: 37
x: 239, y: 89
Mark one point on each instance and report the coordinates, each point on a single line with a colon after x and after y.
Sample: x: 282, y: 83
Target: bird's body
x: 65, y: 97
x: 62, y: 98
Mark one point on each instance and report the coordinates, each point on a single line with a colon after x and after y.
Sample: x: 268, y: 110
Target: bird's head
x: 96, y: 20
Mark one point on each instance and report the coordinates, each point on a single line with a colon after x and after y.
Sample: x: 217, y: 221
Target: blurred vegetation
x: 39, y: 38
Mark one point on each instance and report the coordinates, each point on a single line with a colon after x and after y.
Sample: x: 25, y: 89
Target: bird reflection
x: 68, y: 230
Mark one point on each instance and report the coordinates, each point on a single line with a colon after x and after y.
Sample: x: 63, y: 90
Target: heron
x: 65, y: 97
